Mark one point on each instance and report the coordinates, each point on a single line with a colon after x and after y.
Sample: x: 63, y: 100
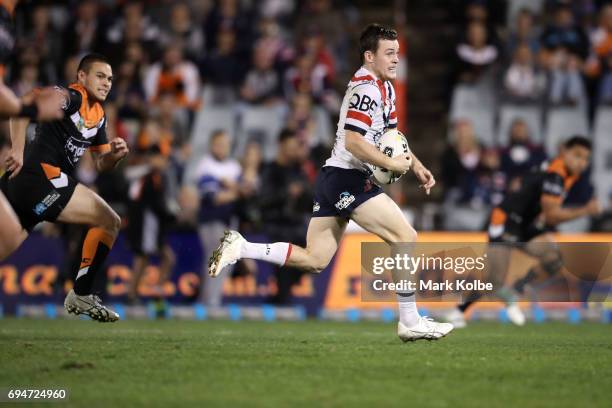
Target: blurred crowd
x: 173, y: 60
x: 527, y: 58
x: 176, y: 61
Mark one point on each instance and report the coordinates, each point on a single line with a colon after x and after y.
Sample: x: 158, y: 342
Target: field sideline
x: 215, y: 363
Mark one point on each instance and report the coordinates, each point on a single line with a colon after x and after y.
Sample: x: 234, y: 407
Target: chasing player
x: 40, y: 186
x: 46, y: 105
x: 526, y: 219
x: 344, y: 191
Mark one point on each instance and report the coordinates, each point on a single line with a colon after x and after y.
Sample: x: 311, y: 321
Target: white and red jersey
x: 368, y: 108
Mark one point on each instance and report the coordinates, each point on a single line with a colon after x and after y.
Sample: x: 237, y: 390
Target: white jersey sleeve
x: 362, y: 104
x: 368, y: 108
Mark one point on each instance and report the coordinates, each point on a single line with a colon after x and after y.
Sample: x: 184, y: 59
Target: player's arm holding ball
x: 368, y: 153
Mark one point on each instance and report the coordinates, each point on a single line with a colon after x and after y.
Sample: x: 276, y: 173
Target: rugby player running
x: 40, y: 185
x: 344, y: 190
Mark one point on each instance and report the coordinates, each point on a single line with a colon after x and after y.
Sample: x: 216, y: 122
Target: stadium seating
x: 562, y: 123
x: 508, y: 113
x: 602, y: 153
x: 260, y: 124
x: 475, y: 103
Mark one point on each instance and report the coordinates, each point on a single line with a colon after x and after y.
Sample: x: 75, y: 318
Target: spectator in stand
x: 127, y: 93
x: 565, y: 84
x: 272, y: 39
x: 132, y: 26
x: 605, y: 87
x: 183, y: 30
x: 601, y: 38
x: 460, y: 163
x: 229, y: 15
x: 176, y: 75
x: 523, y: 83
x: 565, y: 34
x: 300, y: 120
x: 71, y: 65
x: 223, y: 66
x: 27, y: 80
x: 262, y: 84
x: 313, y: 43
x: 320, y: 16
x: 308, y: 76
x: 149, y: 218
x: 476, y: 55
x: 45, y: 40
x: 521, y: 154
x: 524, y: 33
x: 285, y: 202
x: 217, y: 177
x: 82, y: 31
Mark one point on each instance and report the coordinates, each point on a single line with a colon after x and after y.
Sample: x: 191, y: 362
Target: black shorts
x: 511, y: 228
x: 338, y: 192
x: 40, y: 192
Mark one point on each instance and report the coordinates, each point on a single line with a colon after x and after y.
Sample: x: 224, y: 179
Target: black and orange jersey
x: 7, y: 37
x: 524, y: 204
x: 63, y: 142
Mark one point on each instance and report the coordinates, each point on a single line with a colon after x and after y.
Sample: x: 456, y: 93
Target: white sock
x: 408, y: 312
x: 276, y: 253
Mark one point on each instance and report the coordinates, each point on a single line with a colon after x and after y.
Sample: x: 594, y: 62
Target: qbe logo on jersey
x: 346, y: 199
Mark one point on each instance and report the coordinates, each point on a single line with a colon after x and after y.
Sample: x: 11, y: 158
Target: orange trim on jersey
x: 2, y: 72
x: 557, y: 166
x: 393, y: 115
x: 104, y: 148
x: 51, y: 171
x: 362, y: 117
x: 498, y: 216
x: 94, y: 237
x: 92, y: 115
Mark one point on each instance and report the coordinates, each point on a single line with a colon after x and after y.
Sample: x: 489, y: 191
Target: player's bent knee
x: 112, y: 223
x: 318, y: 265
x: 407, y: 234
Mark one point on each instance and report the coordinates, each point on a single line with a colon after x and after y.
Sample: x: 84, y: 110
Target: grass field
x: 209, y: 364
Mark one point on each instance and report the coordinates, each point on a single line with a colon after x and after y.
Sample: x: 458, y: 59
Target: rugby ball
x: 392, y: 143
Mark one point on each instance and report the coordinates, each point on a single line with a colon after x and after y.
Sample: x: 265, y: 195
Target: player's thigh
x: 542, y: 245
x: 87, y: 207
x: 323, y: 237
x: 545, y: 248
x: 11, y: 233
x: 381, y: 216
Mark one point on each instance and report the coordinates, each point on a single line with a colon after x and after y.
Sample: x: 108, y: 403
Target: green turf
x: 323, y: 364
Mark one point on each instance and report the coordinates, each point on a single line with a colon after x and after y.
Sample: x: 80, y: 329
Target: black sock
x: 520, y: 284
x: 472, y: 298
x: 96, y: 247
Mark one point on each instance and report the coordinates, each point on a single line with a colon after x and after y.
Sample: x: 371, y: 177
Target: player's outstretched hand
x: 425, y: 177
x: 119, y: 148
x: 50, y: 102
x: 400, y: 164
x: 14, y: 163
